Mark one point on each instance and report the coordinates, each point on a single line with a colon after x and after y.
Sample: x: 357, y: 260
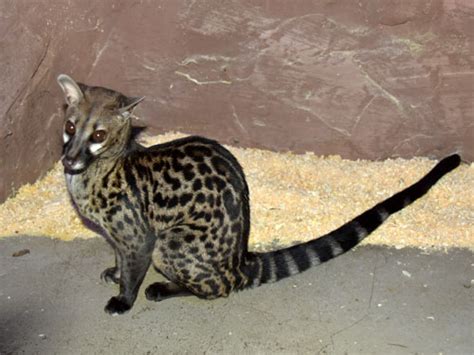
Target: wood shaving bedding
x: 294, y: 198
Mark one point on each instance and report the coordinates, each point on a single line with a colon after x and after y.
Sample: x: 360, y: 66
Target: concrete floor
x: 369, y: 301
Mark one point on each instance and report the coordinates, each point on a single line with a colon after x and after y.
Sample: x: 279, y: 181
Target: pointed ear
x: 130, y: 104
x: 72, y: 92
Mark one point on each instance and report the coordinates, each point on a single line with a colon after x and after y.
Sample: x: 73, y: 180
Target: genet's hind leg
x: 160, y: 291
x: 111, y: 275
x: 185, y: 256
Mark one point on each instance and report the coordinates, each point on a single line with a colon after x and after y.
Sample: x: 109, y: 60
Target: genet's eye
x: 70, y: 128
x: 99, y: 136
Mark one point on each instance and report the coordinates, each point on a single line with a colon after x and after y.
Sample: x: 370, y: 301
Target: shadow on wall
x: 361, y: 79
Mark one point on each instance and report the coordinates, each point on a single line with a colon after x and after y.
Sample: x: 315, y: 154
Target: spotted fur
x: 183, y: 206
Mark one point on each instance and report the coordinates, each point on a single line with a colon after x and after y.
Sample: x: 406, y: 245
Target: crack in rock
x: 197, y: 82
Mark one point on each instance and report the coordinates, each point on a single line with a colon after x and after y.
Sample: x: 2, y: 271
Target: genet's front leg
x: 112, y: 274
x: 133, y: 269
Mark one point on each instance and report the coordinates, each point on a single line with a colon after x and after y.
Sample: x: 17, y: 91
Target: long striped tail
x: 269, y: 267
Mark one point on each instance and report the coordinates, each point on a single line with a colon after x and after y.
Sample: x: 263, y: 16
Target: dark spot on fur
x: 188, y: 172
x: 197, y: 153
x: 160, y: 200
x: 233, y: 209
x: 201, y: 276
x: 175, y: 183
x: 172, y: 202
x: 204, y: 169
x: 174, y: 245
x: 236, y: 228
x: 197, y: 227
x: 219, y: 183
x: 142, y: 171
x: 127, y: 219
x: 219, y: 215
x: 213, y: 285
x: 102, y: 200
x: 210, y: 200
x: 189, y: 238
x: 200, y: 198
x: 158, y: 166
x: 197, y: 185
x: 177, y: 166
x: 208, y: 183
x: 185, y: 198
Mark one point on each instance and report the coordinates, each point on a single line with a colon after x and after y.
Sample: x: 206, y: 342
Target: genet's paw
x: 110, y: 275
x: 116, y: 306
x: 154, y: 292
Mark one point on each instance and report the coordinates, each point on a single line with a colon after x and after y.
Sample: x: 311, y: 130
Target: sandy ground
x: 293, y: 198
x: 373, y: 300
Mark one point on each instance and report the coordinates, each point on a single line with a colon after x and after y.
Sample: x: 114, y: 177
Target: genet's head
x: 97, y: 123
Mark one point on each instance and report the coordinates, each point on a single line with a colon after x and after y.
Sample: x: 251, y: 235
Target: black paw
x: 110, y: 275
x: 154, y: 292
x: 116, y: 306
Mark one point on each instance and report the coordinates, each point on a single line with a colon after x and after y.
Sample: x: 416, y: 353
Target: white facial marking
x: 77, y: 165
x: 66, y: 137
x: 95, y: 147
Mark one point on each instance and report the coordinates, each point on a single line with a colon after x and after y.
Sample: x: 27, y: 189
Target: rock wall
x: 364, y: 79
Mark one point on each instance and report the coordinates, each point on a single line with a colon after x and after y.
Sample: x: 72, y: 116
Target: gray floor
x: 369, y: 301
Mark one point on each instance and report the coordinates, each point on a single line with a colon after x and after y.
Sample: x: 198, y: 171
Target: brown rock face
x: 363, y: 79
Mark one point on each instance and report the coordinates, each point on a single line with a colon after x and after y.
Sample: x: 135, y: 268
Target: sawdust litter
x: 294, y: 198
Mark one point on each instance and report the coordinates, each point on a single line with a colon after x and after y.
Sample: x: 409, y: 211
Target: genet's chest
x: 72, y: 186
x: 93, y: 197
x: 80, y: 194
